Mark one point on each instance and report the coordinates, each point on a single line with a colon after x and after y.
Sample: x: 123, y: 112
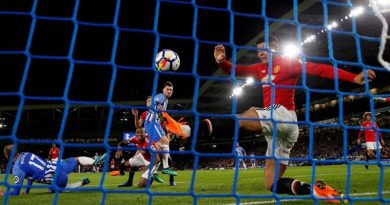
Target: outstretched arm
x: 226, y: 66
x: 327, y: 71
x: 137, y: 121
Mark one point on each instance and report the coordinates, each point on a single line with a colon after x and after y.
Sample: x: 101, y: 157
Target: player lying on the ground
x: 284, y: 72
x: 370, y: 137
x: 141, y: 158
x: 35, y: 169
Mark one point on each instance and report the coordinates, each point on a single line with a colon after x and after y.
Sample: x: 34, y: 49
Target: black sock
x: 292, y: 187
x: 122, y: 169
x: 131, y: 175
x: 171, y: 179
x: 367, y: 157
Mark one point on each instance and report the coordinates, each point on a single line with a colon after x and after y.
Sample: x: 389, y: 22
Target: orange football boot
x: 322, y: 190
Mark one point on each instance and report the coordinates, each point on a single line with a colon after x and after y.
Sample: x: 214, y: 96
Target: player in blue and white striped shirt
x: 154, y: 129
x: 35, y: 169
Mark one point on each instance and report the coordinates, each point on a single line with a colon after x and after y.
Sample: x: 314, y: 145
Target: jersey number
x: 38, y: 163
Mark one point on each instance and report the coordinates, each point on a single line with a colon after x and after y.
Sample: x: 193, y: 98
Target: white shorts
x: 286, y: 133
x: 138, y: 160
x: 372, y: 145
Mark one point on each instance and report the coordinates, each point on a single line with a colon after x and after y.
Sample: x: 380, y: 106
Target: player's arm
x: 18, y: 182
x: 29, y: 185
x: 159, y: 100
x: 327, y: 71
x: 226, y: 66
x: 137, y: 121
x: 118, y: 153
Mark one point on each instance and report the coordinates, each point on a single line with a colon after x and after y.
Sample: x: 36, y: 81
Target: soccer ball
x: 167, y: 60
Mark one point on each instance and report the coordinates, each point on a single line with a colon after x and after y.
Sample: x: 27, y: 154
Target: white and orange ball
x: 167, y: 60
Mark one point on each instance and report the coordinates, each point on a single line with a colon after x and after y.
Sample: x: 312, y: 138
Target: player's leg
x: 144, y: 177
x: 216, y: 126
x: 129, y: 181
x: 164, y: 146
x: 243, y: 163
x: 82, y: 182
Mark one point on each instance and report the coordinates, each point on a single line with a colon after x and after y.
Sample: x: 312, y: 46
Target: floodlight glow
x: 250, y: 81
x: 329, y: 27
x: 290, y: 50
x: 357, y: 11
x: 237, y: 91
x: 334, y: 24
x: 383, y: 2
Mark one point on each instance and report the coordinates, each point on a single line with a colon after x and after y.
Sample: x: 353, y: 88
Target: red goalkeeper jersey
x: 284, y: 72
x: 369, y: 134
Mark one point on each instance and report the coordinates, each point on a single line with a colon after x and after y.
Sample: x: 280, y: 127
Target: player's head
x: 167, y: 89
x: 8, y: 151
x: 53, y: 145
x: 367, y: 116
x: 238, y: 144
x: 261, y: 52
x: 140, y: 132
x: 149, y: 101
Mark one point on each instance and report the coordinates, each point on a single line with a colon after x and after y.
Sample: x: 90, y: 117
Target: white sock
x: 165, y: 156
x: 75, y: 185
x: 85, y: 160
x: 244, y: 165
x: 155, y: 168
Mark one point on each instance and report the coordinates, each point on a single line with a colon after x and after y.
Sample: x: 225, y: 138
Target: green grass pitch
x: 364, y: 183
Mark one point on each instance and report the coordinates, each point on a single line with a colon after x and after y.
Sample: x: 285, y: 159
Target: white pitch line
x: 286, y: 200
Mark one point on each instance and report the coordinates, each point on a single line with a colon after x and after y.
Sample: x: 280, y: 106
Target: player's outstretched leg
x: 100, y: 159
x: 82, y: 182
x: 219, y: 126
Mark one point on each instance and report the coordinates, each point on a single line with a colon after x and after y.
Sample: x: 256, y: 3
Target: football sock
x: 75, y: 185
x: 171, y: 179
x: 122, y: 168
x: 155, y: 168
x: 131, y: 175
x: 165, y: 156
x: 292, y: 187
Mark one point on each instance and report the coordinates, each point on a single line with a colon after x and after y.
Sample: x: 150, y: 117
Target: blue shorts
x: 154, y: 131
x: 68, y: 165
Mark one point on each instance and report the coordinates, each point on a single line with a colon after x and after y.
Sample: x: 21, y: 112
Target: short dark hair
x: 167, y: 83
x: 272, y: 39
